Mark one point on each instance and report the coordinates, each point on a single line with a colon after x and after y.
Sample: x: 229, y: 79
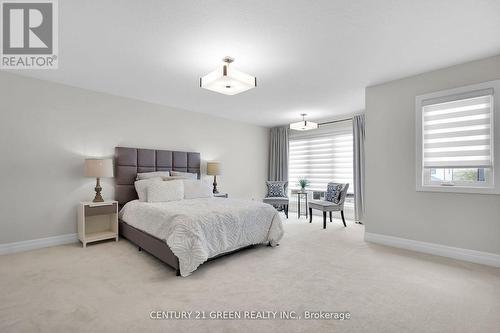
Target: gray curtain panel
x: 358, y: 130
x: 278, y: 154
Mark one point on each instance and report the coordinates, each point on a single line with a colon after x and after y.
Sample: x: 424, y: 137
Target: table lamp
x: 214, y: 169
x: 98, y: 168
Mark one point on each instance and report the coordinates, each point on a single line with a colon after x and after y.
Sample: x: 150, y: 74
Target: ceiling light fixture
x: 303, y: 125
x: 227, y: 80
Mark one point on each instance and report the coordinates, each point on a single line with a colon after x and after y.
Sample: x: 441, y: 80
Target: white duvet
x: 198, y: 229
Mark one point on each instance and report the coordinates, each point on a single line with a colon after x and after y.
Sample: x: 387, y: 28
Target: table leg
x: 306, y: 205
x: 298, y: 206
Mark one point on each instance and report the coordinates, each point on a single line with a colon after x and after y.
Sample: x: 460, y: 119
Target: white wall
x: 393, y: 207
x: 47, y: 129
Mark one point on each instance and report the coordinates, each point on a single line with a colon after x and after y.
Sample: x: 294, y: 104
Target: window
x: 455, y: 140
x: 322, y: 156
x: 463, y: 176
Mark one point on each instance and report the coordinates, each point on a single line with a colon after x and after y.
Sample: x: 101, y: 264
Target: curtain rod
x: 334, y: 121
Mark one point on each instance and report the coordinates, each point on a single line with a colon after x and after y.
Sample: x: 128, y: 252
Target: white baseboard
x: 37, y: 243
x: 478, y: 257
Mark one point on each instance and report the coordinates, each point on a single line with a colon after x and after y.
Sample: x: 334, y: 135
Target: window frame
x: 452, y: 94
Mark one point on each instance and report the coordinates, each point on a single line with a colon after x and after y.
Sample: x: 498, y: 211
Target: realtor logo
x: 29, y: 34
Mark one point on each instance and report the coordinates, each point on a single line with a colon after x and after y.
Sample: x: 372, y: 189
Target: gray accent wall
x: 393, y: 206
x: 47, y: 129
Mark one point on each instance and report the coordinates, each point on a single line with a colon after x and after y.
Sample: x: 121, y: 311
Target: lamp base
x: 98, y: 198
x: 215, y: 191
x: 98, y: 189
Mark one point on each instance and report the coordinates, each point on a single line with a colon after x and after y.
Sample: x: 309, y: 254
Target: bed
x: 186, y: 233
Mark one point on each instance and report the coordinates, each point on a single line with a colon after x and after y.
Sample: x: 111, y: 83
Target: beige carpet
x: 111, y: 287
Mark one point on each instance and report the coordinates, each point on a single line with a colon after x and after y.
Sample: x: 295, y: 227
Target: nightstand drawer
x: 101, y: 210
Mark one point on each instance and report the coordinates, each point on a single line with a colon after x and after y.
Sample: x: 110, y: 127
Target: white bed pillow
x: 154, y: 174
x: 175, y: 178
x: 165, y: 191
x: 141, y: 187
x: 186, y: 175
x: 194, y: 188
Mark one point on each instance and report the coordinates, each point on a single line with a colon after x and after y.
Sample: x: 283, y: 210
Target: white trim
x: 458, y: 189
x: 39, y: 243
x: 478, y: 257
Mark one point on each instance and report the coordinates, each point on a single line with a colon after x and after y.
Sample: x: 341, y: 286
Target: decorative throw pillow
x: 276, y: 189
x: 194, y: 188
x: 185, y: 175
x: 141, y: 187
x: 154, y: 174
x: 333, y: 192
x: 165, y: 191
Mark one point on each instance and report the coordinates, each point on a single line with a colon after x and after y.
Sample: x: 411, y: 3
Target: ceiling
x: 313, y: 57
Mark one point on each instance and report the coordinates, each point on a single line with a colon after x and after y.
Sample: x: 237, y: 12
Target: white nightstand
x: 97, y: 221
x: 221, y: 195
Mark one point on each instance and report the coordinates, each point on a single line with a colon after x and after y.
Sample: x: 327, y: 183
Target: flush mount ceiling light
x: 303, y: 125
x: 227, y: 80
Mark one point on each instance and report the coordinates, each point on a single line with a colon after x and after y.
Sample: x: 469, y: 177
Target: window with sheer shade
x: 457, y: 139
x: 321, y: 158
x: 458, y: 134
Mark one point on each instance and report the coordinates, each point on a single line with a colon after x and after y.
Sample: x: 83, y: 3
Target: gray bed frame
x: 130, y: 161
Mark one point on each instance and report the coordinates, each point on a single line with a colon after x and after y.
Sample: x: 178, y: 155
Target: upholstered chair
x: 277, y: 195
x: 334, y: 201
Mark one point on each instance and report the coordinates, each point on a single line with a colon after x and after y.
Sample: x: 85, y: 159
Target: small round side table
x: 301, y: 194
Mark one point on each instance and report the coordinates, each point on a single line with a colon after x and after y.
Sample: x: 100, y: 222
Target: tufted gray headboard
x: 130, y: 161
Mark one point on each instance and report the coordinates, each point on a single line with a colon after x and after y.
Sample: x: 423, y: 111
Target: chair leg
x: 324, y: 220
x: 330, y: 216
x: 310, y: 215
x: 343, y: 219
x: 286, y: 211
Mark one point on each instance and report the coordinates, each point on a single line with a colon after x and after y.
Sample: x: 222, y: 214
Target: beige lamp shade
x: 214, y: 168
x: 99, y: 168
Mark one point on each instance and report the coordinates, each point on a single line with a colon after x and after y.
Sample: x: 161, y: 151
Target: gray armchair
x: 334, y: 201
x: 277, y: 195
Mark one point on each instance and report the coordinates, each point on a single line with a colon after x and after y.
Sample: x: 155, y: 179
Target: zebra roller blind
x: 322, y: 158
x: 458, y: 133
